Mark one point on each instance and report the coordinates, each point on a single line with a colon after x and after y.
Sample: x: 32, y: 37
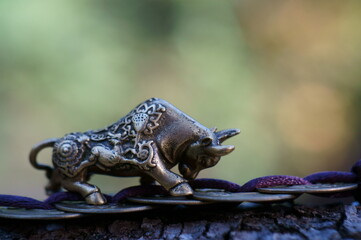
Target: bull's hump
x: 177, y: 116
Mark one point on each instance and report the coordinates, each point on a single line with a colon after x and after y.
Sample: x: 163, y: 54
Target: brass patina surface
x: 312, y: 188
x: 149, y: 141
x: 36, y: 214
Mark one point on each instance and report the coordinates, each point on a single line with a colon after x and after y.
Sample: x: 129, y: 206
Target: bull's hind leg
x: 54, y: 183
x: 90, y: 192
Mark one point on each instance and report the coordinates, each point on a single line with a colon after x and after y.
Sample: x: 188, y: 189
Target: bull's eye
x: 204, y: 161
x: 206, y: 141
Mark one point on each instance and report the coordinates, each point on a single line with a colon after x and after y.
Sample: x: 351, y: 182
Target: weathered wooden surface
x: 263, y: 222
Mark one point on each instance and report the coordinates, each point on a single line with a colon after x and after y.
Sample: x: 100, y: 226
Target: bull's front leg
x: 90, y: 192
x: 175, y: 184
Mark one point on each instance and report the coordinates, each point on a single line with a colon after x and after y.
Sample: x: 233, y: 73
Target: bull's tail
x: 34, y: 152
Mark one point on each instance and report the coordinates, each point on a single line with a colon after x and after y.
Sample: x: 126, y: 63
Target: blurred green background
x: 287, y: 73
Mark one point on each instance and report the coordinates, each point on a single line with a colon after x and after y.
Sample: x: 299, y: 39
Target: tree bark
x: 207, y: 222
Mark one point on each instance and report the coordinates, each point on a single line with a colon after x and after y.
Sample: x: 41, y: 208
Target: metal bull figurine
x: 148, y: 142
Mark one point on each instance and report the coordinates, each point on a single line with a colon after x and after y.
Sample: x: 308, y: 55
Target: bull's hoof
x: 96, y: 198
x: 182, y: 189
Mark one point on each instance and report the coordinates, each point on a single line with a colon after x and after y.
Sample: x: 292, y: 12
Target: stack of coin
x: 75, y: 209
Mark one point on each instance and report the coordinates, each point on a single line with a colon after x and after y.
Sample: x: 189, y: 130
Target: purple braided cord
x: 215, y: 183
x: 142, y: 190
x: 30, y: 203
x: 63, y: 196
x: 269, y: 181
x: 22, y: 202
x: 332, y: 177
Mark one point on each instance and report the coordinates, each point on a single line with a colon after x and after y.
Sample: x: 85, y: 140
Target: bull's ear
x: 225, y: 134
x: 213, y: 129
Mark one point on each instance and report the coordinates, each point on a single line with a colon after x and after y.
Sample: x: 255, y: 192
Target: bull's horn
x: 219, y: 151
x: 225, y: 134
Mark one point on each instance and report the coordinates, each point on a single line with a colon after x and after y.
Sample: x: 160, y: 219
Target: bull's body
x: 147, y: 142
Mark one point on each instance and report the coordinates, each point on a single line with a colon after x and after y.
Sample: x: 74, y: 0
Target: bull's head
x: 206, y: 152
